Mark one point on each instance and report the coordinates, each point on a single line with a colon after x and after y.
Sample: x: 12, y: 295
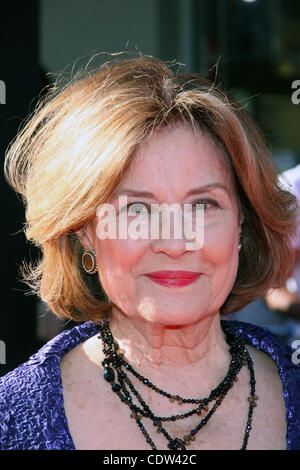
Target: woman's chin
x: 172, y: 317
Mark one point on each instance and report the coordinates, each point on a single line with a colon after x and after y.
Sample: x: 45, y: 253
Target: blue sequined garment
x: 32, y: 414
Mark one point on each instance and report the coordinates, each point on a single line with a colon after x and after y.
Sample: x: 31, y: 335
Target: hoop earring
x: 89, y: 261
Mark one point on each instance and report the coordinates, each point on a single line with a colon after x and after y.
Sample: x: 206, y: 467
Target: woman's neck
x: 156, y: 350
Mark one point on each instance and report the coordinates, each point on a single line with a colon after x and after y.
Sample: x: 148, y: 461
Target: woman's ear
x: 80, y: 236
x: 241, y: 219
x: 85, y: 236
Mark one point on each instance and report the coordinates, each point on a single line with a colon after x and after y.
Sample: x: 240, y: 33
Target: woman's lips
x: 173, y: 278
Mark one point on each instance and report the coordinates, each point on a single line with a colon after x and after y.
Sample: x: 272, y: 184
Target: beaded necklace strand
x: 113, y: 366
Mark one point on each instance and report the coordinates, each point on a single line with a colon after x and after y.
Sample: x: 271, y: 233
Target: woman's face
x: 175, y: 162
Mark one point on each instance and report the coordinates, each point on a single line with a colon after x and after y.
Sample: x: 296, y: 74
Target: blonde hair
x: 74, y: 150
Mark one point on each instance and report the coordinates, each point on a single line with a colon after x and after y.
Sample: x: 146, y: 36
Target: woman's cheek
x: 219, y: 239
x: 119, y: 260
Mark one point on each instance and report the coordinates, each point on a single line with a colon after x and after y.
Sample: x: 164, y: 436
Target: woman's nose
x: 171, y: 247
x: 176, y: 237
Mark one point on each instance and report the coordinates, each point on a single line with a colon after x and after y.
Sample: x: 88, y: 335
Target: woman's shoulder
x: 265, y: 340
x: 46, y: 359
x: 262, y: 339
x: 287, y: 361
x: 31, y: 402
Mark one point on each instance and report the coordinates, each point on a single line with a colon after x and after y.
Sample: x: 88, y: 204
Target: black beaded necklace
x: 114, y: 362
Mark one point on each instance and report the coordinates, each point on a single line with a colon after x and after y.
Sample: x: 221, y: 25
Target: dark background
x: 255, y: 44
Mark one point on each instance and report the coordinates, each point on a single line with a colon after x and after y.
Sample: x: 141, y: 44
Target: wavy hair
x: 74, y: 149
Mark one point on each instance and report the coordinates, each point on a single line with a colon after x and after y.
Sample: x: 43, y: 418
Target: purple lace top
x: 32, y: 414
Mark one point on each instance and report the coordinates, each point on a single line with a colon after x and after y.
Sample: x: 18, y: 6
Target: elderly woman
x: 152, y: 363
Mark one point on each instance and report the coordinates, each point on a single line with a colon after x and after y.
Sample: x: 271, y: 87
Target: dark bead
x: 106, y: 362
x: 109, y: 374
x: 116, y: 387
x: 178, y: 443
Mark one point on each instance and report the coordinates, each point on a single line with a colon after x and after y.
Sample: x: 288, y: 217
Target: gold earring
x: 89, y: 261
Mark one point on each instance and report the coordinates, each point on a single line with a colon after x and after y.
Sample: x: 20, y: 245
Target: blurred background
x: 256, y: 46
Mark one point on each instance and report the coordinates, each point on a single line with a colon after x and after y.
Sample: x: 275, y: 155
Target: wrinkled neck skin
x: 161, y: 353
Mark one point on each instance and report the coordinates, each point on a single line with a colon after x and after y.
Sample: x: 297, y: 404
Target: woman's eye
x: 137, y: 208
x: 204, y: 204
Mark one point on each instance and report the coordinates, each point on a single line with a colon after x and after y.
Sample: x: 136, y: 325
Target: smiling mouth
x: 173, y: 278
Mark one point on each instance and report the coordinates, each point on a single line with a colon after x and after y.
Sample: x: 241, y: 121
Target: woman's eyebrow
x: 207, y: 187
x: 133, y: 192
x: 141, y: 193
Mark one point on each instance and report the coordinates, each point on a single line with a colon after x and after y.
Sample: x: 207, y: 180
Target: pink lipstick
x: 173, y: 278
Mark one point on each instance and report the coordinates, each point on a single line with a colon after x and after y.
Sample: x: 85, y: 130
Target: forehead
x: 177, y: 158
